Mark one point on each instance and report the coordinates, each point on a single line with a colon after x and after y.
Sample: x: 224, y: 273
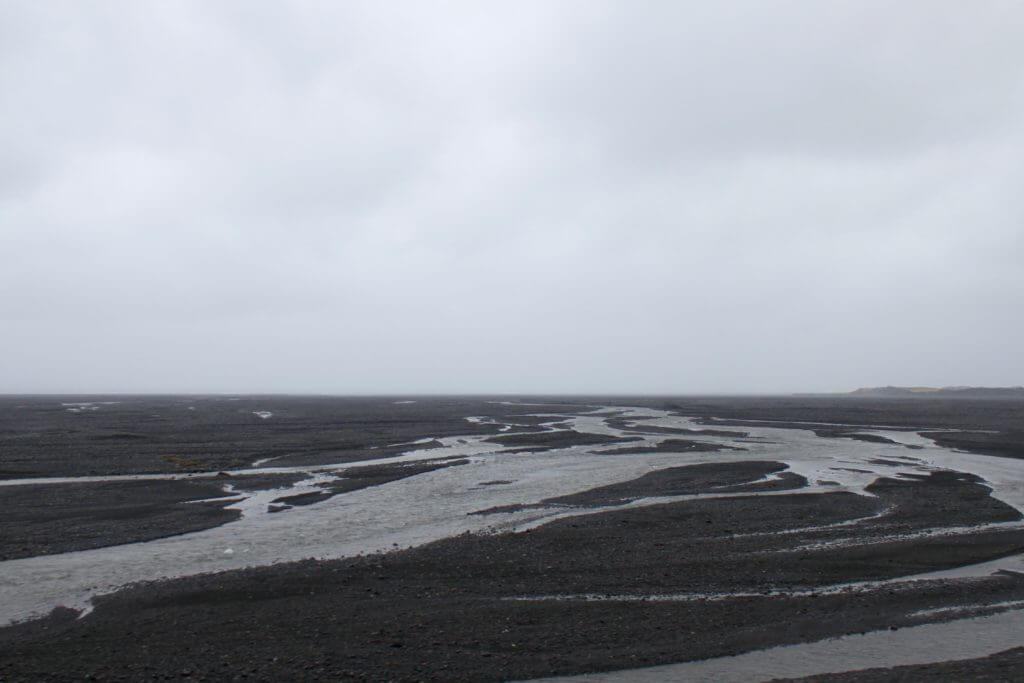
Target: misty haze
x: 506, y: 341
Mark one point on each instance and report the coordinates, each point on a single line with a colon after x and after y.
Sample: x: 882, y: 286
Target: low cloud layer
x: 510, y: 196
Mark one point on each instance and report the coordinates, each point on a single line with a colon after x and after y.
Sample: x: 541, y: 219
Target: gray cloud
x: 521, y: 197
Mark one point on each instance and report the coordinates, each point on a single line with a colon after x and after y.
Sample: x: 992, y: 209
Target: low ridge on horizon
x: 945, y: 392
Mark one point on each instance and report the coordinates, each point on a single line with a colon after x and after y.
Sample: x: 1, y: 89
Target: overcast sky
x: 550, y: 196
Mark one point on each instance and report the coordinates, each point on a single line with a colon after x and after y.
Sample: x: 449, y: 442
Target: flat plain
x: 503, y: 538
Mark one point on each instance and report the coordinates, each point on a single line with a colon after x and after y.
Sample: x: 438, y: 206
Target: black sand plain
x: 493, y: 606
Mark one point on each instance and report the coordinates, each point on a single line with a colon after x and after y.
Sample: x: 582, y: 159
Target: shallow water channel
x: 437, y: 504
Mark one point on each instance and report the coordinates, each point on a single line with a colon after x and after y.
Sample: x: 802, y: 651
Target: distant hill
x: 940, y: 392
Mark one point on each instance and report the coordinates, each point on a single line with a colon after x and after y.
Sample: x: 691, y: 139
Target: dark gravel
x: 356, y: 478
x: 454, y: 609
x: 846, y: 434
x: 673, y: 446
x: 40, y: 437
x: 558, y: 439
x: 42, y: 519
x: 1007, y: 444
x: 730, y: 477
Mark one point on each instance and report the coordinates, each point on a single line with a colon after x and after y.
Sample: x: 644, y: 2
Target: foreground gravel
x: 475, y: 607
